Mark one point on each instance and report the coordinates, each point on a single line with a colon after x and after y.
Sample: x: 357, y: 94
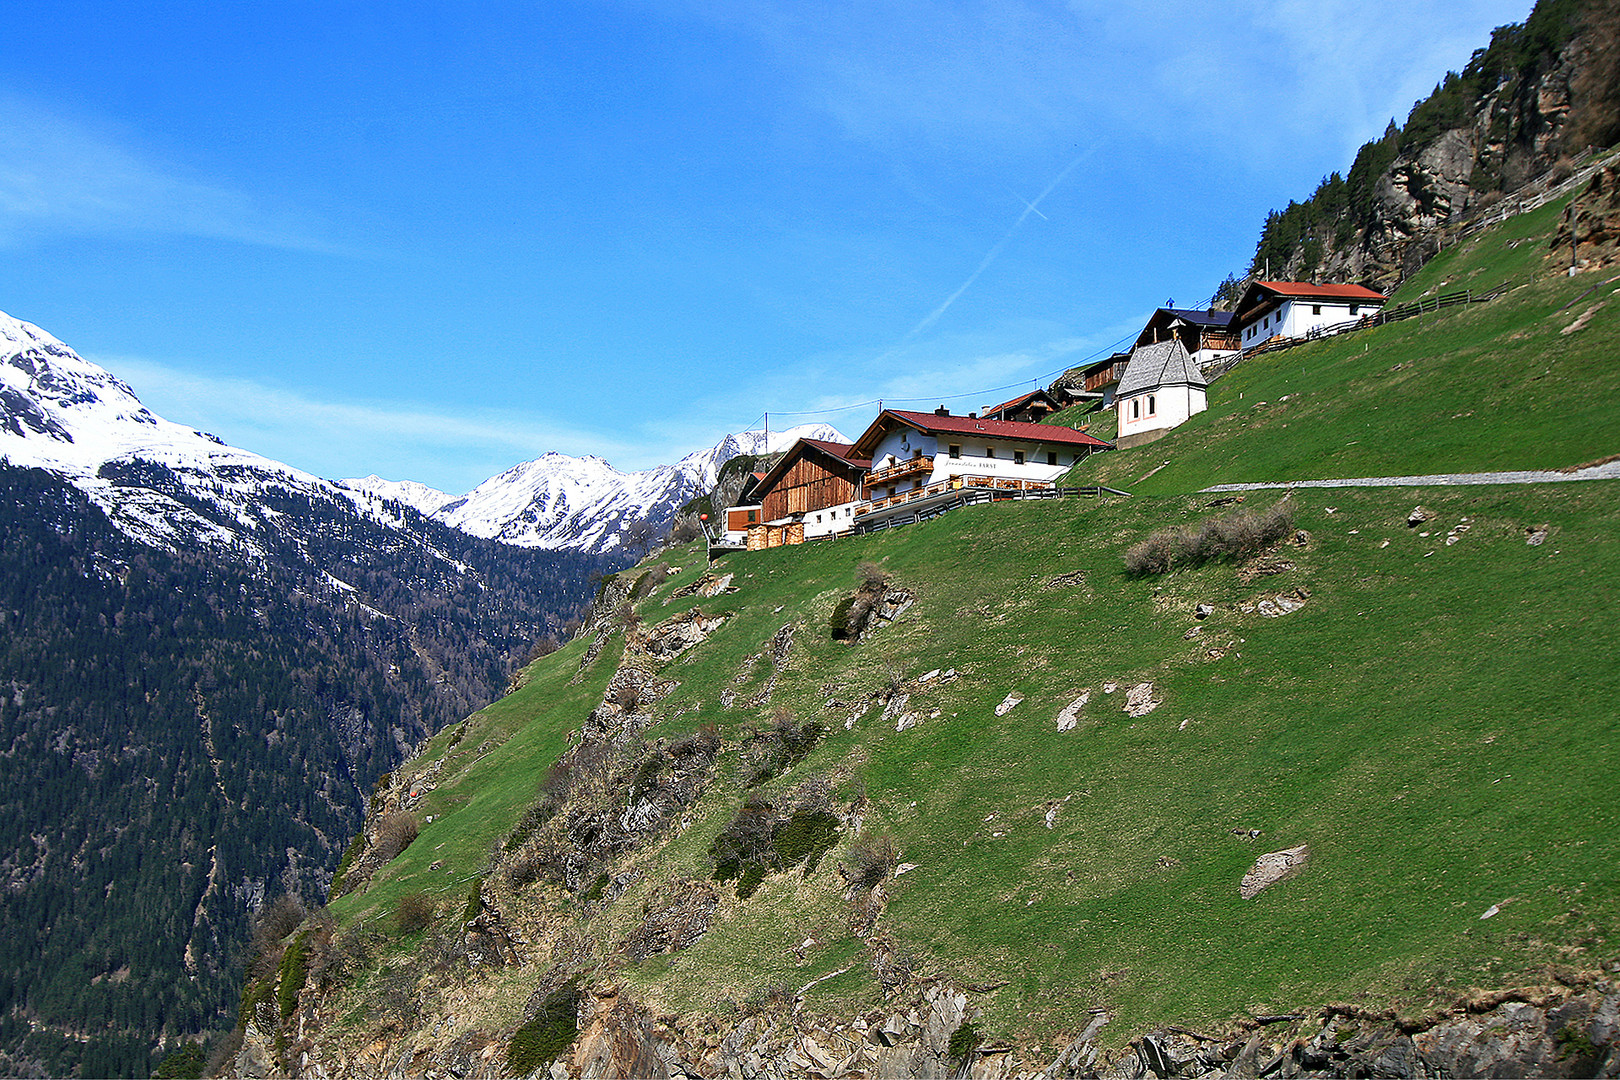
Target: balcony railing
x: 954, y: 483
x: 901, y: 471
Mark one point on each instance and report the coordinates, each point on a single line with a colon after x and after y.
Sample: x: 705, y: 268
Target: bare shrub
x: 414, y: 912
x: 271, y: 925
x: 705, y: 741
x: 685, y: 529
x: 625, y: 617
x: 395, y: 833
x: 870, y: 577
x: 1236, y: 535
x: 813, y: 795
x: 1561, y: 170
x: 871, y: 859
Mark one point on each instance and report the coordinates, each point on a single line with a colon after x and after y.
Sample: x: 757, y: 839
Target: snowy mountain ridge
x: 172, y: 486
x: 584, y: 503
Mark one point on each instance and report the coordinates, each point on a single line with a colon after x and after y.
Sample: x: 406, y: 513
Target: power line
x: 1105, y: 350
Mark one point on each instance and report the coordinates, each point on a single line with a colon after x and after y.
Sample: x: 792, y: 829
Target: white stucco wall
x: 1297, y: 318
x: 974, y: 460
x: 834, y: 519
x: 1172, y: 406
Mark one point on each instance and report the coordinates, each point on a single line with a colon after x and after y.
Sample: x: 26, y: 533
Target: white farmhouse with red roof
x: 1293, y: 309
x: 922, y: 455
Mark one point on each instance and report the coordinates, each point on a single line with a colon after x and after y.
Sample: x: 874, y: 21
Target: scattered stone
x: 1193, y: 632
x: 1330, y: 509
x: 1109, y: 687
x: 1383, y: 543
x: 1069, y: 718
x: 1051, y: 815
x: 1301, y: 538
x: 1273, y: 867
x: 904, y: 868
x: 1140, y: 700
x: 929, y: 677
x: 1204, y: 611
x: 1067, y: 581
x: 1009, y: 703
x: 1272, y: 607
x: 1264, y: 568
x: 1417, y: 517
x: 1492, y: 911
x: 1537, y: 536
x: 896, y: 710
x: 1584, y: 318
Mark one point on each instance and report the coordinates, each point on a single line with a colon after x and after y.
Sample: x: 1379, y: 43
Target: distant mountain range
x: 583, y: 503
x: 208, y: 660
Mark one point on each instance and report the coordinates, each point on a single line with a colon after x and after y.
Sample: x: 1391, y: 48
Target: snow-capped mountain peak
x: 557, y: 501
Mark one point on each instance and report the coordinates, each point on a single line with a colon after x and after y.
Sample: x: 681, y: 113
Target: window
x: 753, y: 516
x: 818, y: 519
x: 989, y: 451
x: 1354, y: 308
x: 1152, y: 405
x: 1316, y: 309
x: 956, y: 450
x: 1051, y: 457
x: 1136, y: 408
x: 1018, y: 457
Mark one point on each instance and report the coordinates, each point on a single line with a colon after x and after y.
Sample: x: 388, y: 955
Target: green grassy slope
x: 1437, y: 721
x: 1483, y: 387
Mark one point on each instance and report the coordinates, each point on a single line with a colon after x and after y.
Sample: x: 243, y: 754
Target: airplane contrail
x: 1000, y: 245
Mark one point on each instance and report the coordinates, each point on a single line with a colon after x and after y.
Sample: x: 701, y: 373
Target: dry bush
x: 273, y: 922
x: 625, y: 617
x: 870, y: 577
x: 814, y: 795
x: 685, y: 528
x: 705, y: 741
x: 871, y: 859
x: 1237, y: 535
x: 414, y: 912
x: 395, y: 833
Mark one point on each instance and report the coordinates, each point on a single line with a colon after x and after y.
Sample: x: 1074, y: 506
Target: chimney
x: 973, y: 416
x: 942, y: 411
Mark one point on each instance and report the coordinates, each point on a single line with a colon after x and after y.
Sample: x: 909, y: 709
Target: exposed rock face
x: 1506, y: 151
x: 1271, y: 868
x: 1552, y: 1033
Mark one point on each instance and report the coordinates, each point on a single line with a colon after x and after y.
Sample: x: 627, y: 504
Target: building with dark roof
x: 810, y: 492
x: 1206, y: 334
x: 1031, y: 408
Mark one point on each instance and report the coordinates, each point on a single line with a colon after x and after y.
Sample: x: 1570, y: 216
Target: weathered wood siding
x: 809, y: 484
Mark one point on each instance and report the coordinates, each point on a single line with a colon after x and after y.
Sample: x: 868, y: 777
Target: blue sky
x: 434, y: 240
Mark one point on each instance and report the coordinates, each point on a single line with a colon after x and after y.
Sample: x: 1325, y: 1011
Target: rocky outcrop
x: 1554, y: 1032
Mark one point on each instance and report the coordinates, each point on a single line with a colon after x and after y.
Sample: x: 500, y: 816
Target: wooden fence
x: 977, y: 497
x: 1364, y: 322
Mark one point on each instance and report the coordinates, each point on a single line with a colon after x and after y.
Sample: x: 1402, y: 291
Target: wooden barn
x: 816, y: 485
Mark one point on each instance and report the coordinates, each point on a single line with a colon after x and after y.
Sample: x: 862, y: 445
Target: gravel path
x: 1609, y: 470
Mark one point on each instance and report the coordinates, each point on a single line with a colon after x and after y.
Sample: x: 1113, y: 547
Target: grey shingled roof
x: 1164, y: 363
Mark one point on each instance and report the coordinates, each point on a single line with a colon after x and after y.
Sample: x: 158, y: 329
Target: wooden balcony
x: 905, y: 470
x: 954, y: 483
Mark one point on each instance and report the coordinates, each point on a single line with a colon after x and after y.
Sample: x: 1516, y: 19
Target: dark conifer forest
x: 183, y: 736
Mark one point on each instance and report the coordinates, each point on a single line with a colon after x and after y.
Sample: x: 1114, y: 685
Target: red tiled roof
x: 933, y: 424
x: 1306, y: 290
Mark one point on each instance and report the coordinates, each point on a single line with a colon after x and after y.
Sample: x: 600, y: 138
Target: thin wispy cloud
x: 315, y: 435
x: 996, y: 250
x: 59, y: 175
